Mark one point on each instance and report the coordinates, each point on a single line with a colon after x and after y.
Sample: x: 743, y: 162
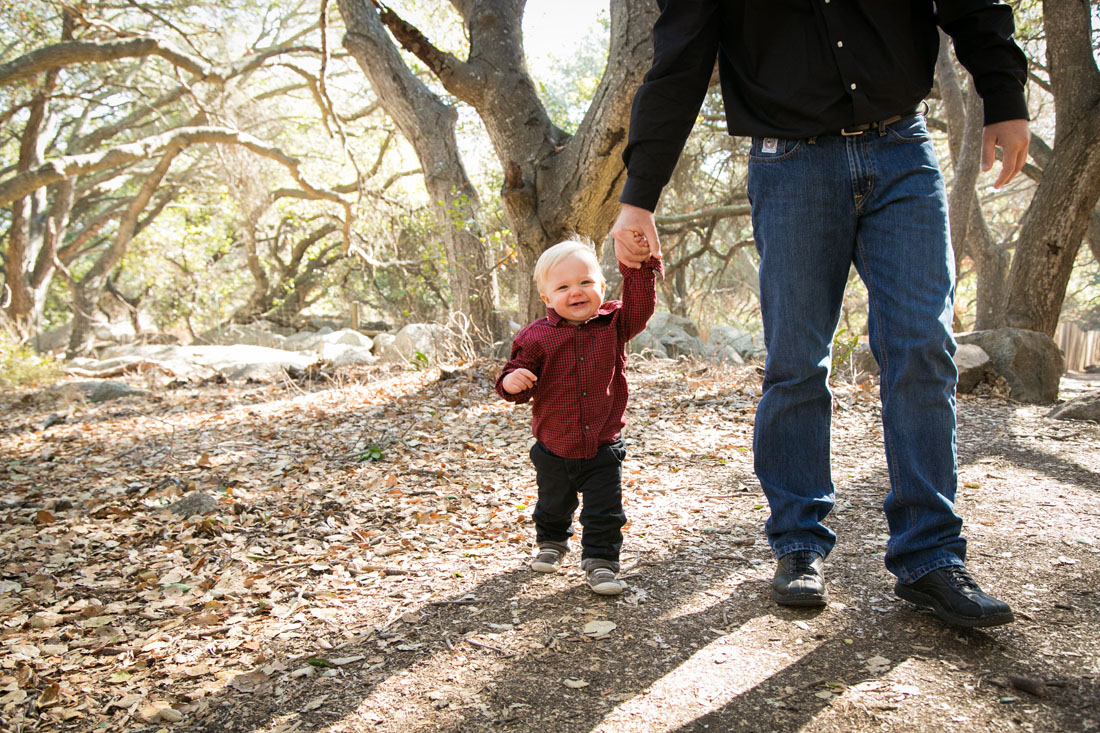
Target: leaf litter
x: 351, y: 555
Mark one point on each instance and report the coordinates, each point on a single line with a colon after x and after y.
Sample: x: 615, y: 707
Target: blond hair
x: 578, y: 247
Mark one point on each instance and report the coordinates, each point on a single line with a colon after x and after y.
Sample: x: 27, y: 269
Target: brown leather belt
x: 879, y: 125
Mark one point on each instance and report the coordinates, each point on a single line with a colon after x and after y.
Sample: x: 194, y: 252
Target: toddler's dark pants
x: 563, y: 482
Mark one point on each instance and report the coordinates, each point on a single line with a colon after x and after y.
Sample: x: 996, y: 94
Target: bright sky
x: 554, y: 28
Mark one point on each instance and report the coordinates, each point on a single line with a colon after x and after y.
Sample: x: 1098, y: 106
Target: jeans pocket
x: 617, y: 451
x: 910, y: 130
x: 773, y: 149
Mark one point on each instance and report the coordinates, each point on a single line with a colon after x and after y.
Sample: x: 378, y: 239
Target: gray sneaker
x: 601, y: 576
x: 549, y: 557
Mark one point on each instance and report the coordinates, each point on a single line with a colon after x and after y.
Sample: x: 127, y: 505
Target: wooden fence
x: 1082, y: 348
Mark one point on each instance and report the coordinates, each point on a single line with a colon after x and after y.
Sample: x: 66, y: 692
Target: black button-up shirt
x: 800, y: 68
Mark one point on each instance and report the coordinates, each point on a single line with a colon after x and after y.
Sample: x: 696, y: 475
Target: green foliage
x: 420, y: 361
x: 21, y: 366
x: 844, y: 343
x: 372, y: 453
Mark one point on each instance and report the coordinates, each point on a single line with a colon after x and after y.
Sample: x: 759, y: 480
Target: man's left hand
x: 1012, y: 137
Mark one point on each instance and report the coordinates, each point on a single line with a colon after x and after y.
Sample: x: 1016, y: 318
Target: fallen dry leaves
x: 331, y: 519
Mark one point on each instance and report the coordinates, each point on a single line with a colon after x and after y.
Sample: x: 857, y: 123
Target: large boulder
x: 382, y: 342
x: 346, y: 354
x: 676, y: 334
x: 259, y: 333
x: 348, y: 337
x: 236, y: 361
x: 746, y: 344
x: 1030, y: 362
x: 971, y: 361
x: 306, y: 340
x: 427, y: 339
x: 724, y: 354
x: 973, y: 364
x: 646, y: 344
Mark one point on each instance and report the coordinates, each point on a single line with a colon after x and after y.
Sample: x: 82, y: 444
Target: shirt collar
x: 606, y: 308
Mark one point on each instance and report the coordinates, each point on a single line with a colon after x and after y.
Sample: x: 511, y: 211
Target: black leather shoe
x: 799, y: 580
x: 956, y: 598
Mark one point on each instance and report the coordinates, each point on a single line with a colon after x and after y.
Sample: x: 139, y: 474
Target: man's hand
x: 519, y: 380
x: 635, y: 236
x: 1012, y: 137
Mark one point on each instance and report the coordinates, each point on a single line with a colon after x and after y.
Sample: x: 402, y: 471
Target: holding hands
x: 635, y: 235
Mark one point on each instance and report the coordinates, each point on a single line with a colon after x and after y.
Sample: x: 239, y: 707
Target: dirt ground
x: 364, y: 567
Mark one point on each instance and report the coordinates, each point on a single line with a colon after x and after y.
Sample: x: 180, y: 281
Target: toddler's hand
x: 519, y: 380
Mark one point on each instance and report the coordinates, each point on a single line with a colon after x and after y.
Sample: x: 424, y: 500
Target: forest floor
x: 365, y: 567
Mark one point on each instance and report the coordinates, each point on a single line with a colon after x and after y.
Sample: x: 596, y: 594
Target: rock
x: 259, y: 333
x: 746, y: 344
x: 303, y: 341
x: 195, y: 502
x: 724, y: 354
x: 53, y: 339
x: 383, y: 341
x: 428, y: 339
x: 1086, y: 407
x: 646, y: 344
x: 863, y: 361
x: 677, y: 334
x: 107, y: 391
x: 973, y: 364
x: 348, y: 336
x: 1030, y: 362
x: 345, y: 354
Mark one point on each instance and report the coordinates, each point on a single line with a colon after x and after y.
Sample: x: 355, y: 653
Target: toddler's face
x: 574, y: 289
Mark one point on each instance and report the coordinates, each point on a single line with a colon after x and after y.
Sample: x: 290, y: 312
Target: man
x: 841, y: 171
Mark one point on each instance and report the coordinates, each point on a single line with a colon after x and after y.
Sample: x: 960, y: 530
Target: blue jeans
x: 876, y: 200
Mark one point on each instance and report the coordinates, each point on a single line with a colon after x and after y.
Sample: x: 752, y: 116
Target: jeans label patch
x: 771, y: 144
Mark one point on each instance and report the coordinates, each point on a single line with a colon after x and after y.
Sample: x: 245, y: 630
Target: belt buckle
x: 852, y: 133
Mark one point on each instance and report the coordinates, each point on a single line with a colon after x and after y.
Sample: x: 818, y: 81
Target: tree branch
x: 68, y: 53
x: 716, y: 212
x: 457, y: 76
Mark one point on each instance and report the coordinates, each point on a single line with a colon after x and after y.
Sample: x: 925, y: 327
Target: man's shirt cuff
x: 641, y: 193
x: 1004, y: 106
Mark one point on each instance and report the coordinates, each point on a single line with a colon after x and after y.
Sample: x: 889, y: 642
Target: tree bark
x: 555, y: 184
x: 1058, y: 217
x: 970, y: 233
x: 87, y: 290
x: 428, y: 124
x: 24, y: 272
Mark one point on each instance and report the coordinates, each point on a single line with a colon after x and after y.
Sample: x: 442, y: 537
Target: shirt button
x: 582, y: 358
x: 853, y: 85
x: 584, y: 394
x: 586, y: 427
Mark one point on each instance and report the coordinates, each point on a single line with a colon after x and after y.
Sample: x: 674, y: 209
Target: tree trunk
x: 429, y: 125
x: 87, y: 291
x: 555, y: 185
x: 28, y: 236
x: 1058, y: 217
x: 970, y: 234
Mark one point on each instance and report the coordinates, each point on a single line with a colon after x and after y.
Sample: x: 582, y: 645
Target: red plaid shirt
x: 581, y: 391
